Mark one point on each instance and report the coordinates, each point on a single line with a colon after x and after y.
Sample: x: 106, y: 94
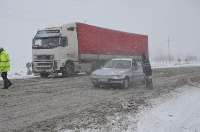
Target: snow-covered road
x: 180, y: 113
x: 62, y: 104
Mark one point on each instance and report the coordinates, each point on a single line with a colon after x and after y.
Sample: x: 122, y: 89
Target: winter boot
x: 8, y: 83
x: 5, y: 83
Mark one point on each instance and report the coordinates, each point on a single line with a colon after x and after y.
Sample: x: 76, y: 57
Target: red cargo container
x: 102, y: 41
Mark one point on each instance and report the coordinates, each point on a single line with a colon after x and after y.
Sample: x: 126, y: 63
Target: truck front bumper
x: 44, y: 66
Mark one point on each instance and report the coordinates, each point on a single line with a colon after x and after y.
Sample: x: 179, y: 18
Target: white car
x: 119, y: 71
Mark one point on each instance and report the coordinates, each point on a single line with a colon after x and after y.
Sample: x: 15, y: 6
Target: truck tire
x: 125, y: 83
x: 68, y: 70
x: 44, y: 75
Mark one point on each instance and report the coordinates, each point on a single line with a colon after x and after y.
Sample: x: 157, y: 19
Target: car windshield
x: 48, y: 42
x: 118, y: 64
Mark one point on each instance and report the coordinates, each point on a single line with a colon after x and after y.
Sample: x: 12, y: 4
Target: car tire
x: 125, y: 83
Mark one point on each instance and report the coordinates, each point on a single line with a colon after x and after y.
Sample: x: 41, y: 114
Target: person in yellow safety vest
x: 4, y: 67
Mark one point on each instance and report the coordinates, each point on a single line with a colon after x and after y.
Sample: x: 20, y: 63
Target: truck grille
x: 43, y: 57
x: 42, y: 66
x: 42, y: 69
x: 43, y: 63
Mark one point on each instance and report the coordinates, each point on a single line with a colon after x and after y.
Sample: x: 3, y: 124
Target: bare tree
x: 191, y: 58
x: 179, y: 60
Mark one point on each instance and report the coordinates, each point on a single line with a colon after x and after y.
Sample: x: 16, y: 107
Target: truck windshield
x: 46, y: 43
x: 118, y: 64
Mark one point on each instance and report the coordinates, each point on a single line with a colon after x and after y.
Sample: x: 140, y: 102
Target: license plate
x: 103, y: 80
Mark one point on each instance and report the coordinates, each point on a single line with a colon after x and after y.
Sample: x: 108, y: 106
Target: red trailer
x: 103, y: 41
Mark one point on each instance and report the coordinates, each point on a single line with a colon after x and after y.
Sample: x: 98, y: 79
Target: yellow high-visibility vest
x: 4, y: 62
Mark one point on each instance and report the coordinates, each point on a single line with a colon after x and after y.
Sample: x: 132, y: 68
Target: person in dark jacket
x: 147, y: 71
x: 4, y: 67
x: 147, y: 68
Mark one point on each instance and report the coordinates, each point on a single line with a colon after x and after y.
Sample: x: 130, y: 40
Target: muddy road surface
x: 56, y: 104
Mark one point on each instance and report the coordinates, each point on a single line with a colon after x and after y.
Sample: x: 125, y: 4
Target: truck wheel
x: 44, y: 75
x: 125, y: 83
x: 68, y: 70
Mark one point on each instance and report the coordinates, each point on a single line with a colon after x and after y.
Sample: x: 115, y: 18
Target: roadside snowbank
x: 180, y: 113
x: 173, y: 65
x: 19, y: 75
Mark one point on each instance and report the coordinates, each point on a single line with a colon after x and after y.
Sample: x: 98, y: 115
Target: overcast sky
x: 178, y: 19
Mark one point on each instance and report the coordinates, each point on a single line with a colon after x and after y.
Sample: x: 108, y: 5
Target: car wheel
x: 125, y: 83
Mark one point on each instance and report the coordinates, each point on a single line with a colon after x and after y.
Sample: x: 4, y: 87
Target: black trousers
x: 149, y: 82
x: 6, y: 81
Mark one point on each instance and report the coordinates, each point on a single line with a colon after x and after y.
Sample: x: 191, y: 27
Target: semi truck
x: 78, y: 47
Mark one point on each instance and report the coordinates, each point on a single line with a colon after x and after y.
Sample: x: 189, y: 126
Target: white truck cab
x: 54, y: 50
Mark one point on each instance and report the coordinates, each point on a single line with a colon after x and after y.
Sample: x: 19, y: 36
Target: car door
x: 140, y: 72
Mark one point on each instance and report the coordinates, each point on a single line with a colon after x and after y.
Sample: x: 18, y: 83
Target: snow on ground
x: 173, y: 65
x: 20, y: 74
x: 180, y: 113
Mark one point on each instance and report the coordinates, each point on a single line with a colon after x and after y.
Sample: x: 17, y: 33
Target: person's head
x: 1, y: 49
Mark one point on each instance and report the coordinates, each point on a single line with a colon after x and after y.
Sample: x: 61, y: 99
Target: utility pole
x: 168, y: 48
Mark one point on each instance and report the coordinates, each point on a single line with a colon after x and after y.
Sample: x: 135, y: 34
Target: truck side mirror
x: 70, y: 28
